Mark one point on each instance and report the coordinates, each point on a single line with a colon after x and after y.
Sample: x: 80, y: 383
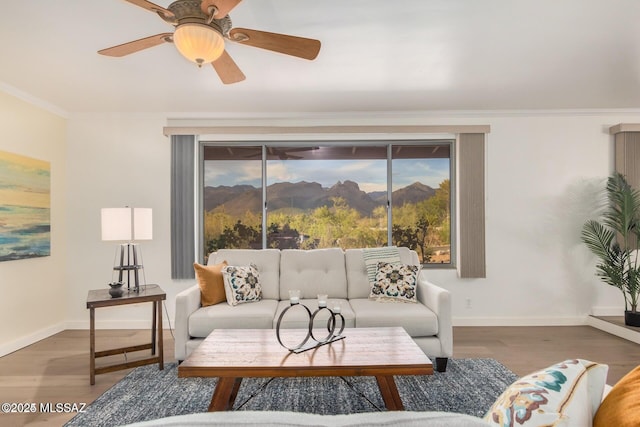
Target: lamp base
x: 129, y: 256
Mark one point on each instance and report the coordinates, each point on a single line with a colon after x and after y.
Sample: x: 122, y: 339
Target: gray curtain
x: 182, y: 206
x: 472, y: 205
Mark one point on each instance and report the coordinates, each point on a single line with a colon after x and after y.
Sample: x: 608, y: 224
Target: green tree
x: 421, y: 226
x: 404, y: 236
x: 238, y: 236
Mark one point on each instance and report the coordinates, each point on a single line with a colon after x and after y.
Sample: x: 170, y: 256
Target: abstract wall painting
x: 25, y: 207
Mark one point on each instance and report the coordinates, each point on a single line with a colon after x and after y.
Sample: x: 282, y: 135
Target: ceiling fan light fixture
x: 198, y: 43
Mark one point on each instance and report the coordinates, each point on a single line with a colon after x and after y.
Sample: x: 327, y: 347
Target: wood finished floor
x: 56, y: 369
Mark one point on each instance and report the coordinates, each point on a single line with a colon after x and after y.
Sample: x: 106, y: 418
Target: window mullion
x: 264, y: 196
x: 389, y: 195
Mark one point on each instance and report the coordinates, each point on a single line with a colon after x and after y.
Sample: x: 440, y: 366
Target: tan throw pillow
x: 211, y: 283
x: 621, y: 407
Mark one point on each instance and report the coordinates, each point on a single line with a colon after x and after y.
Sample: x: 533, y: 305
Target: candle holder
x: 294, y: 296
x: 322, y: 300
x: 310, y: 341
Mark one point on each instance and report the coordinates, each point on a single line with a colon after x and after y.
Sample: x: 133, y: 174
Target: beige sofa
x: 342, y: 275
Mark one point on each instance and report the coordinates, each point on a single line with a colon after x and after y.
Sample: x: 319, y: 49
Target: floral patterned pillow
x: 565, y: 394
x: 395, y: 282
x: 242, y: 284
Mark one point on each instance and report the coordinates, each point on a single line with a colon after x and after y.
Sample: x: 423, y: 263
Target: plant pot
x: 632, y: 318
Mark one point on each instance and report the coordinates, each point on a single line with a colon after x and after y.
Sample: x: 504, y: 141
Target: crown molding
x: 33, y: 100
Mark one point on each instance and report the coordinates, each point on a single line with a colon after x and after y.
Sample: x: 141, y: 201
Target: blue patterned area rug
x: 469, y: 386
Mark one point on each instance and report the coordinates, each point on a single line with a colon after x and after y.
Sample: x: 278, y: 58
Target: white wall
x: 33, y: 300
x: 116, y: 161
x: 542, y: 170
x: 542, y: 176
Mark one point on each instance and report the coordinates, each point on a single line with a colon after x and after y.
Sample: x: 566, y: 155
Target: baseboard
x: 457, y: 321
x: 27, y: 340
x: 520, y: 321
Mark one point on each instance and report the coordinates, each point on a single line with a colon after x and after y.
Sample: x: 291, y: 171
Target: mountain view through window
x: 348, y: 196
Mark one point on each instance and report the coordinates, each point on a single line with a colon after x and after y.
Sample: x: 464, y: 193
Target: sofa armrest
x: 187, y: 302
x: 439, y: 301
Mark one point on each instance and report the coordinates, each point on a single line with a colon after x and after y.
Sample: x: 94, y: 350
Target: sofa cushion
x: 621, y: 407
x: 565, y: 394
x: 257, y: 315
x: 358, y: 285
x: 211, y: 283
x: 416, y: 319
x: 395, y: 282
x: 313, y: 272
x: 267, y: 261
x: 298, y: 318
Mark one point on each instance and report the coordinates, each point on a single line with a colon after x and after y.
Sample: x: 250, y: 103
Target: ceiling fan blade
x: 227, y: 69
x: 223, y: 6
x: 164, y: 13
x: 282, y: 43
x: 136, y: 45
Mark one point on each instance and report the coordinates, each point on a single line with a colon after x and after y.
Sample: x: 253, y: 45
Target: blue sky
x: 369, y: 174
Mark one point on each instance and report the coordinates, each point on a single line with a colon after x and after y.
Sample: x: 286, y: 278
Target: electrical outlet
x: 468, y: 302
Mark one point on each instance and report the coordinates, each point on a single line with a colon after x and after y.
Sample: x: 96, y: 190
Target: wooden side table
x: 101, y: 298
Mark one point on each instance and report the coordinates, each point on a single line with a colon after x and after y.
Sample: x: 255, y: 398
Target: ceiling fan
x: 201, y: 28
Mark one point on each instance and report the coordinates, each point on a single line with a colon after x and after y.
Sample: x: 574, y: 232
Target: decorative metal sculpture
x: 332, y: 323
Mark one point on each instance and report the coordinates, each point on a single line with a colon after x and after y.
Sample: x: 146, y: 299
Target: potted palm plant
x: 615, y: 241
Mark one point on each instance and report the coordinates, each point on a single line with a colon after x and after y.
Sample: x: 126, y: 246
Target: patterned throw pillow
x: 242, y: 284
x: 395, y: 282
x: 565, y: 394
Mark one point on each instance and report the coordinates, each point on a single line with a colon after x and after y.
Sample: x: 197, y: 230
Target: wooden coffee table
x: 234, y: 354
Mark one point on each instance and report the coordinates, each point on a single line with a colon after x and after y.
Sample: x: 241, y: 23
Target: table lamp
x: 127, y: 225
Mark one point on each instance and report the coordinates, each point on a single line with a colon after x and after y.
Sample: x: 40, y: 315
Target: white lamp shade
x: 127, y: 224
x: 116, y: 224
x: 198, y: 43
x: 142, y: 224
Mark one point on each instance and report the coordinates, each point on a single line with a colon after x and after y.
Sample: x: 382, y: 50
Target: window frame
x: 389, y: 143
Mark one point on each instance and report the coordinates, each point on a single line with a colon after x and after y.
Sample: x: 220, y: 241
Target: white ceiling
x: 376, y: 55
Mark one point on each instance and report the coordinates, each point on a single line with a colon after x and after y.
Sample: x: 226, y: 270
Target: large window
x: 232, y: 197
x: 343, y: 194
x: 421, y: 200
